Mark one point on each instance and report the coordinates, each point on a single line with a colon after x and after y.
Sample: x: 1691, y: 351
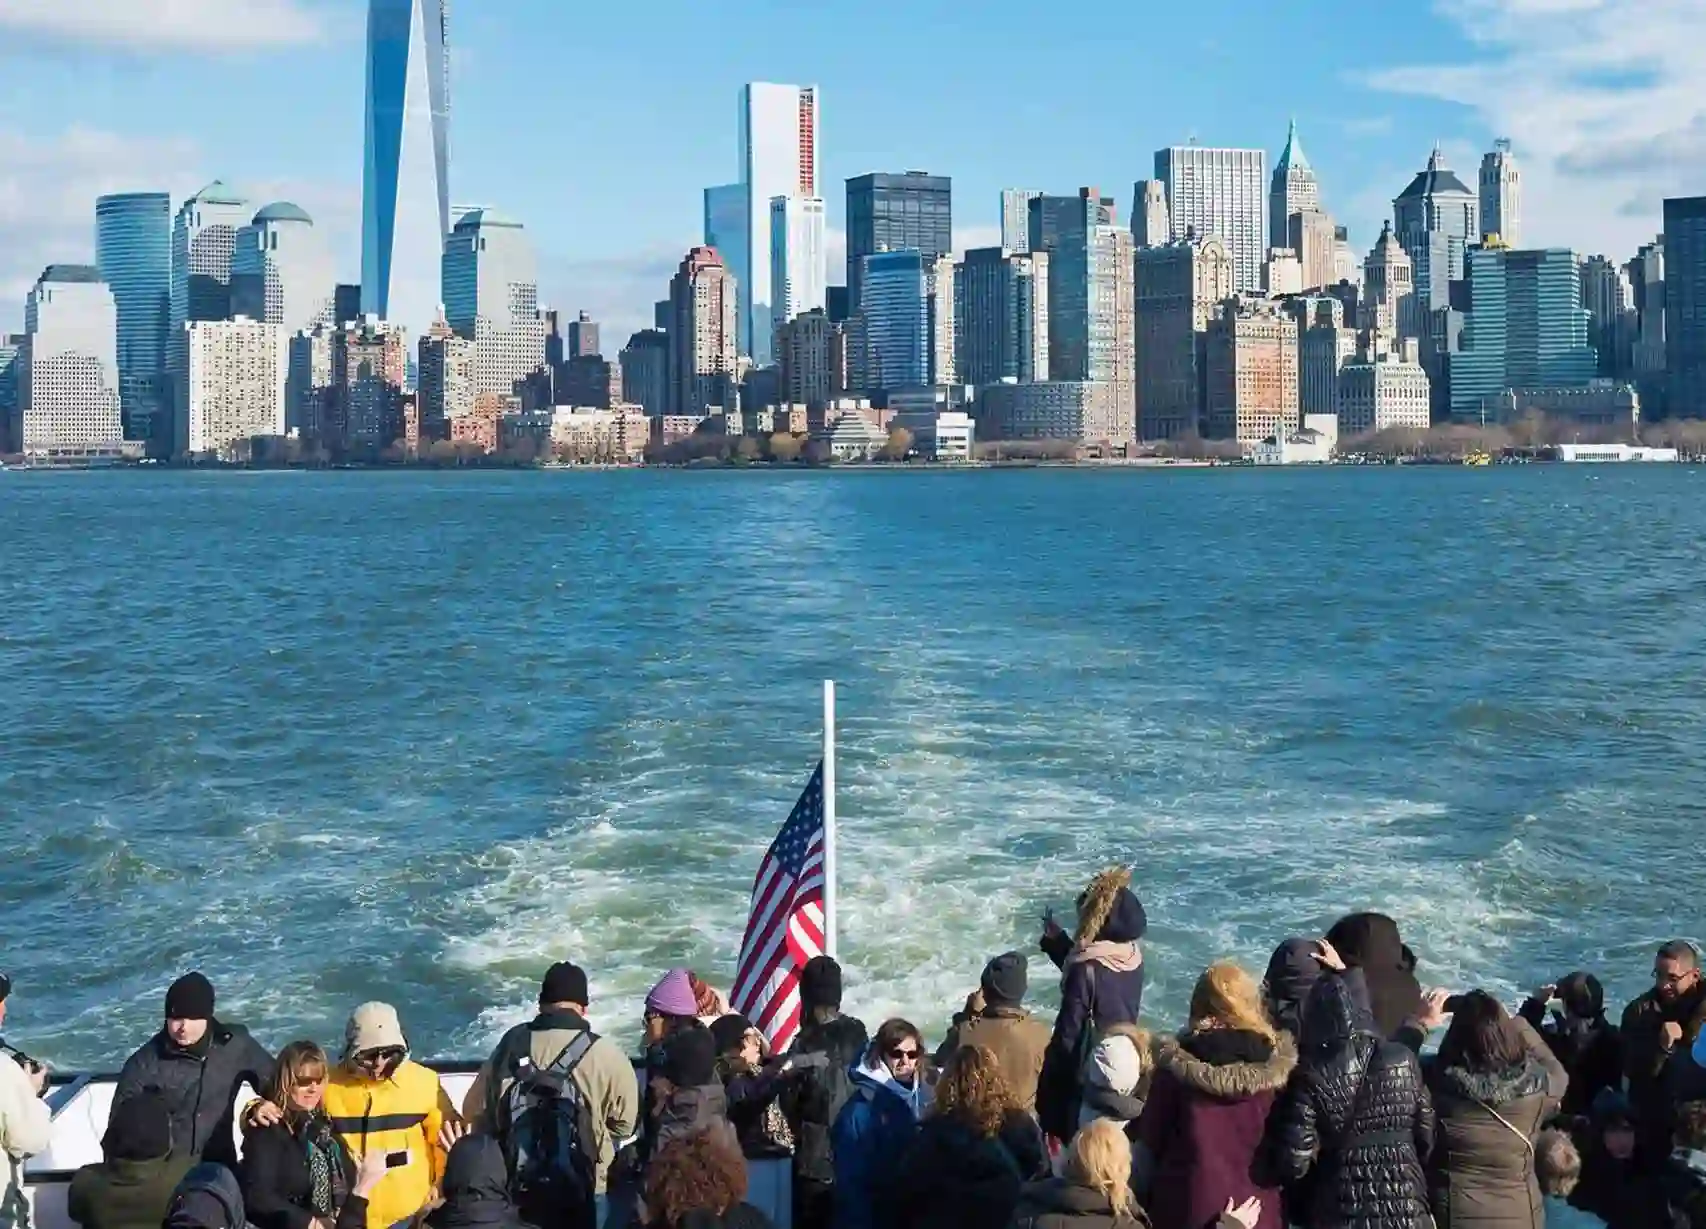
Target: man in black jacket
x: 1659, y: 1028
x: 812, y: 1104
x: 196, y: 1064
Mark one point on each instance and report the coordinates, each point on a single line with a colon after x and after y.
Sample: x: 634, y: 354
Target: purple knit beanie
x: 673, y: 996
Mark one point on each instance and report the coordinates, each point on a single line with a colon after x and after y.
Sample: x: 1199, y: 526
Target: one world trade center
x: 405, y: 212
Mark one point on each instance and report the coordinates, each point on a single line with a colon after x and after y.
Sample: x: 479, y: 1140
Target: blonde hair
x: 300, y: 1062
x: 1228, y: 997
x: 1101, y: 1160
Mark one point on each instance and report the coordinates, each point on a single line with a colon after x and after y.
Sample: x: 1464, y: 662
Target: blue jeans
x: 600, y: 1209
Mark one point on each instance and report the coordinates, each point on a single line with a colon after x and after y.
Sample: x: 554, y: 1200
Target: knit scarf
x: 325, y: 1167
x: 1115, y: 957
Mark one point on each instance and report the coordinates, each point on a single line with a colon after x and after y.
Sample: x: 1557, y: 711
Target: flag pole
x: 829, y: 904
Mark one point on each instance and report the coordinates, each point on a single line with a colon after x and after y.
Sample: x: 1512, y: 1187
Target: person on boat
x: 1093, y: 1191
x: 1204, y: 1126
x: 1117, y: 1077
x: 974, y: 1152
x: 1588, y: 1045
x: 476, y: 1188
x: 1292, y: 971
x: 699, y: 1181
x: 198, y: 1064
x: 688, y: 1095
x: 1685, y: 1172
x: 132, y: 1185
x: 813, y: 1102
x: 298, y: 1173
x: 207, y: 1198
x: 26, y: 1125
x: 877, y: 1125
x: 1101, y: 985
x: 754, y: 1081
x: 709, y: 1003
x: 995, y: 1018
x: 559, y: 1037
x: 1370, y: 942
x: 670, y: 1008
x: 1494, y: 1084
x: 1658, y: 1030
x: 1613, y: 1186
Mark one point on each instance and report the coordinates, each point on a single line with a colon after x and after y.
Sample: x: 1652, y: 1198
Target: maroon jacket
x: 1204, y: 1123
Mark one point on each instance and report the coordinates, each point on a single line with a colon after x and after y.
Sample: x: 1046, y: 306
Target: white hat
x: 374, y: 1026
x: 1115, y: 1065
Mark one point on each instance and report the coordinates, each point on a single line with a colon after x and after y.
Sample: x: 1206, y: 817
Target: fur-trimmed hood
x: 1109, y: 911
x: 1492, y: 1088
x: 1234, y: 1081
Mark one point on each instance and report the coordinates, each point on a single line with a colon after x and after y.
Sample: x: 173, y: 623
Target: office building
x: 281, y: 271
x: 728, y: 226
x: 1293, y: 190
x: 1437, y: 220
x: 369, y: 365
x: 1313, y: 236
x: 133, y: 252
x: 1001, y: 316
x: 1384, y: 388
x: 1613, y: 322
x: 702, y: 334
x: 799, y: 259
x: 346, y: 302
x: 645, y: 370
x: 1178, y: 289
x: 1016, y: 219
x: 1055, y: 216
x: 1251, y: 372
x: 1079, y: 411
x: 1389, y: 289
x: 1220, y: 192
x: 893, y: 213
x: 778, y: 157
x: 11, y: 346
x: 897, y: 314
x: 238, y: 373
x: 582, y: 337
x: 1347, y: 268
x: 1151, y: 221
x: 309, y: 384
x: 804, y: 352
x: 1090, y: 289
x: 1525, y: 328
x: 445, y: 387
x: 1282, y: 275
x: 204, y: 240
x: 592, y: 381
x: 1324, y: 346
x: 405, y: 191
x: 1501, y: 195
x: 1685, y: 305
x: 68, y: 400
x: 491, y: 297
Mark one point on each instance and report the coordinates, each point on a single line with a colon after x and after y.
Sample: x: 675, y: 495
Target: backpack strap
x: 571, y: 1055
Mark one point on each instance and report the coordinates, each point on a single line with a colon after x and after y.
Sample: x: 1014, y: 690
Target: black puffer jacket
x: 199, y: 1086
x: 1358, y: 1114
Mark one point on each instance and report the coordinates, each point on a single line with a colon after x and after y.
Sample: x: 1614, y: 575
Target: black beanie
x: 190, y: 998
x: 564, y: 983
x: 820, y: 983
x: 139, y: 1129
x: 1005, y: 980
x: 690, y: 1058
x: 729, y: 1032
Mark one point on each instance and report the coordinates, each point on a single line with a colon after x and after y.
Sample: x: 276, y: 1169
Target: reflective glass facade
x: 133, y: 250
x: 891, y: 213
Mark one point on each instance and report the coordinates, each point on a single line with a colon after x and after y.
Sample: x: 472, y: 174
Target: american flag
x: 786, y: 926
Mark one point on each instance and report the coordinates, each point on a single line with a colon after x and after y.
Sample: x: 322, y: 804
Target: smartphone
x: 396, y: 1160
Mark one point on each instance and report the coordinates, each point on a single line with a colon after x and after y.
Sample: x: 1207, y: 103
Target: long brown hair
x: 300, y: 1062
x: 973, y: 1091
x: 1101, y: 1160
x: 1228, y: 997
x: 701, y: 1172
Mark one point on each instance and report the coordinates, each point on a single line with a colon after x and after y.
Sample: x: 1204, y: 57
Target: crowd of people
x: 1306, y: 1096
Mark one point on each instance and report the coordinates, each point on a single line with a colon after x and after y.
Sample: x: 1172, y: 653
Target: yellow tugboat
x: 1478, y: 459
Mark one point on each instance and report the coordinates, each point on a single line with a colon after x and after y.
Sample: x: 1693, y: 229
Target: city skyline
x: 1595, y: 172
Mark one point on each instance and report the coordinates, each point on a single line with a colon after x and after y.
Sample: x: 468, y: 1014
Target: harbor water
x: 339, y: 736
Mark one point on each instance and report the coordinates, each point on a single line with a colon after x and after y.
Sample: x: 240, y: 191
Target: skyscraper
x: 1436, y: 219
x: 491, y: 297
x: 68, y: 368
x: 1251, y: 372
x: 892, y: 213
x: 897, y: 319
x: 133, y: 252
x: 281, y: 271
x: 238, y: 374
x: 778, y: 157
x: 1001, y: 314
x: 799, y: 261
x: 1090, y: 295
x: 1016, y: 219
x: 645, y: 371
x: 1389, y: 288
x: 583, y: 338
x: 1294, y: 190
x: 803, y: 352
x: 1151, y: 221
x: 1685, y: 305
x: 1501, y: 195
x: 445, y: 388
x: 728, y: 226
x: 1179, y: 286
x: 405, y: 208
x: 702, y: 334
x: 204, y: 239
x: 1526, y: 328
x: 1220, y: 192
x: 1613, y: 323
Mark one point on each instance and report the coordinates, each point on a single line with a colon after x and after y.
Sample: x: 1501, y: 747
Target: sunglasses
x: 901, y: 1054
x: 372, y: 1058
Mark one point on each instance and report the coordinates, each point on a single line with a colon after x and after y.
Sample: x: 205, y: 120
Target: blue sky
x: 597, y: 125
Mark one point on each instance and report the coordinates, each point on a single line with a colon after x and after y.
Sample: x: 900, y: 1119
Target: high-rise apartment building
x: 1001, y: 316
x: 1220, y: 192
x: 68, y: 401
x: 238, y: 373
x: 1151, y: 220
x: 799, y: 258
x: 204, y: 239
x: 1501, y: 195
x: 281, y: 271
x: 1613, y: 323
x: 645, y: 371
x: 405, y: 197
x: 308, y: 385
x: 133, y: 252
x: 1526, y: 328
x: 491, y: 297
x: 1294, y: 190
x: 778, y: 157
x: 1016, y: 219
x: 1179, y: 287
x: 369, y: 365
x: 804, y: 348
x: 702, y: 334
x: 728, y: 226
x: 445, y: 388
x: 1251, y: 369
x: 894, y: 213
x: 1685, y: 305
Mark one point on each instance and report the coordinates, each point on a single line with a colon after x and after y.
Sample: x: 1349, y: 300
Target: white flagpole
x: 829, y: 914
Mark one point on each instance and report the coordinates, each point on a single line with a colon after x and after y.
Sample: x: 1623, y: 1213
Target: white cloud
x: 160, y: 25
x: 1603, y: 100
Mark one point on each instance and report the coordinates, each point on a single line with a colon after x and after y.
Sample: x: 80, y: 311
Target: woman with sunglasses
x: 297, y: 1173
x: 877, y: 1126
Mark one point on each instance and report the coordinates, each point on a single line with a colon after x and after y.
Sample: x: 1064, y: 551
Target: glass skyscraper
x: 1684, y: 284
x: 891, y: 213
x: 1526, y: 328
x: 778, y: 157
x: 897, y: 319
x: 133, y: 251
x: 405, y: 212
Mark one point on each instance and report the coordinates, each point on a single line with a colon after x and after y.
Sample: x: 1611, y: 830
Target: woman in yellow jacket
x: 378, y: 1100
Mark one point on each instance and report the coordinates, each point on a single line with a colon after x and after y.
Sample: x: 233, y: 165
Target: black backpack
x: 545, y: 1127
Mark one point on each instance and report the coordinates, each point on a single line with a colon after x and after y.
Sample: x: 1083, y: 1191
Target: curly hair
x: 973, y: 1091
x: 701, y: 1172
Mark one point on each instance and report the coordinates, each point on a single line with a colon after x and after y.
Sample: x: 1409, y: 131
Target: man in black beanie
x: 995, y: 1019
x: 813, y: 1101
x: 197, y: 1064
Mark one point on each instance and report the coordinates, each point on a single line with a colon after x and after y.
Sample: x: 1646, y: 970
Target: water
x: 332, y: 737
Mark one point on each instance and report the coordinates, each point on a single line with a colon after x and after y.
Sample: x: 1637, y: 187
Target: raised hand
x: 1246, y: 1213
x: 1327, y: 956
